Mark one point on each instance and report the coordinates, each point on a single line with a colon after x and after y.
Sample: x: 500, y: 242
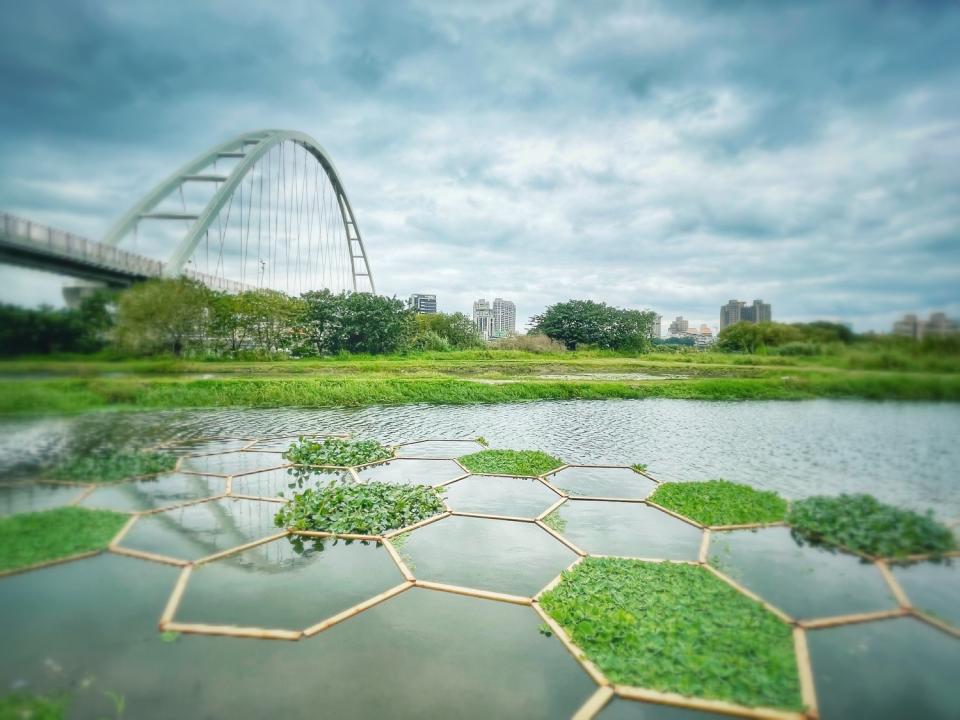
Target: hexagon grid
x: 502, y: 542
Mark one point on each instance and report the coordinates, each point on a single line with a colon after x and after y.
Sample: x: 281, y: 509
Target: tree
x: 455, y: 330
x: 585, y: 322
x: 750, y: 337
x: 163, y: 316
x: 356, y: 322
x: 48, y: 330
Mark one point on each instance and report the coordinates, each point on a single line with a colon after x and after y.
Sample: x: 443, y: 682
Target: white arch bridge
x: 265, y: 209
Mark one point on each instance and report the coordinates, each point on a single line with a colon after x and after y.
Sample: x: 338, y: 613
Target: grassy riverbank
x: 261, y: 389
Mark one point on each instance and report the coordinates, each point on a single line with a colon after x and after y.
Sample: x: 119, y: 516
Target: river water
x: 903, y: 453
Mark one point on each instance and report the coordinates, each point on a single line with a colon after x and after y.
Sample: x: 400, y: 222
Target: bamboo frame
x: 488, y: 516
x: 553, y: 508
x: 559, y: 537
x: 721, y: 707
x: 750, y: 594
x: 416, y: 526
x: 474, y: 592
x: 122, y: 532
x: 895, y: 588
x: 84, y: 494
x: 602, y: 498
x: 579, y: 655
x: 852, y: 619
x: 173, y: 602
x: 704, y: 553
x: 594, y: 704
x: 395, y: 555
x: 748, y: 526
x: 446, y: 483
x: 808, y: 690
x: 356, y: 609
x: 258, y: 498
x: 233, y: 631
x: 678, y: 516
x: 49, y: 563
x: 936, y: 622
x: 556, y: 581
x: 143, y: 555
x: 177, y: 506
x: 241, y: 548
x: 335, y: 536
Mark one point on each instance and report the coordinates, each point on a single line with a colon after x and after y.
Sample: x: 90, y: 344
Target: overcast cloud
x: 664, y: 155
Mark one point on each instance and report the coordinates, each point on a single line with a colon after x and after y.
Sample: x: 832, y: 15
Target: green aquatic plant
x: 481, y: 440
x: 510, y: 462
x: 336, y: 451
x: 368, y: 509
x: 639, y: 467
x: 31, y: 538
x: 721, y: 502
x: 555, y: 521
x: 21, y: 706
x: 676, y: 628
x: 112, y: 465
x: 864, y: 524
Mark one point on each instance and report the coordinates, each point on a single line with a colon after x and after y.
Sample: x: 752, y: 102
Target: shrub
x: 336, y: 451
x: 532, y: 342
x: 720, y: 502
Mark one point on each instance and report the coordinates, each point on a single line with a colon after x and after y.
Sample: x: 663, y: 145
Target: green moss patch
x: 510, y: 462
x: 676, y: 628
x: 113, y: 466
x: 368, y: 509
x: 864, y: 524
x: 720, y: 502
x: 20, y: 706
x: 336, y: 451
x: 37, y: 537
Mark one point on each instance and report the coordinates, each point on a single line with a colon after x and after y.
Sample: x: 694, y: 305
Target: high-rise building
x: 505, y: 316
x: 656, y: 329
x: 498, y: 320
x: 679, y: 326
x: 939, y: 325
x: 423, y: 303
x: 738, y: 311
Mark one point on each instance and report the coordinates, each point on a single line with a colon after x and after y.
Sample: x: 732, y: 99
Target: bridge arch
x: 249, y: 151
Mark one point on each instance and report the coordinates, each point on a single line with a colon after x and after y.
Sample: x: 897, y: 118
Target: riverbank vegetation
x: 31, y: 538
x: 862, y: 523
x: 364, y: 509
x: 721, y: 502
x: 510, y: 462
x: 644, y: 624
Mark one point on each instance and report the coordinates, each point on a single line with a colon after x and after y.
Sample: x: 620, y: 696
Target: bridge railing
x: 34, y: 236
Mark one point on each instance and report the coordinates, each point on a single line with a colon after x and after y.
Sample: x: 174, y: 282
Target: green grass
x: 676, y: 628
x: 112, y: 466
x: 31, y: 538
x: 20, y: 706
x: 555, y: 521
x: 367, y: 509
x: 864, y: 524
x: 335, y: 451
x: 510, y: 462
x: 720, y: 502
x: 393, y: 382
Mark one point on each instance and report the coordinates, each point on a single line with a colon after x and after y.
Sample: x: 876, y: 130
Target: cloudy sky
x: 665, y: 155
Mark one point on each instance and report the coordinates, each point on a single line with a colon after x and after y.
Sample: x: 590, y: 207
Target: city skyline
x: 645, y: 156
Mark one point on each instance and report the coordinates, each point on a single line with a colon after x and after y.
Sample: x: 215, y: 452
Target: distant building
x: 656, y: 329
x: 738, y: 311
x: 939, y: 325
x: 678, y: 327
x: 423, y: 303
x: 495, y: 321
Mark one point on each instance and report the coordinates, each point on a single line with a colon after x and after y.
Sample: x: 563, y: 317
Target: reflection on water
x: 901, y: 452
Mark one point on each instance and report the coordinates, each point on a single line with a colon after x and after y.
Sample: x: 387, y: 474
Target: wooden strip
x: 404, y: 570
x: 205, y: 474
x: 241, y: 548
x: 594, y: 704
x: 895, y: 588
x: 229, y: 486
x: 262, y: 498
x: 260, y: 470
x: 83, y: 495
x: 553, y: 487
x: 704, y: 547
x: 749, y: 526
x: 592, y: 670
x: 936, y: 622
x: 750, y: 594
x: 600, y: 498
x: 560, y: 537
x: 654, y: 560
x: 123, y: 531
x: 153, y: 557
x: 174, y: 601
x: 487, y: 516
x: 678, y: 516
x: 851, y: 619
x: 451, y: 482
x: 356, y: 609
x: 186, y: 503
x: 411, y: 528
x: 808, y: 692
x: 233, y: 631
x: 923, y: 556
x: 721, y: 707
x: 49, y: 563
x: 546, y: 513
x: 472, y: 592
